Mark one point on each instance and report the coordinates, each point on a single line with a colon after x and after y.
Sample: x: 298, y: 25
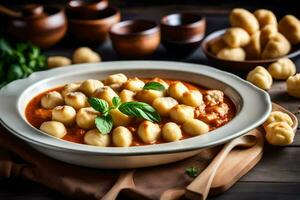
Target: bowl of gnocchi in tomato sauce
x: 131, y: 114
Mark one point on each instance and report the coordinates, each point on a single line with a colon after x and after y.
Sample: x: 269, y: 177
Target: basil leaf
x: 98, y: 104
x: 154, y: 86
x: 116, y: 102
x: 104, y: 124
x: 192, y: 171
x: 140, y: 110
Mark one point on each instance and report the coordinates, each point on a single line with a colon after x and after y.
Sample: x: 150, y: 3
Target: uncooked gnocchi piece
x: 52, y: 99
x: 95, y: 138
x: 293, y: 85
x: 116, y: 78
x: 148, y: 132
x: 195, y: 127
x: 277, y: 46
x: 260, y: 77
x: 64, y: 114
x: 121, y: 137
x: 279, y: 133
x: 180, y: 113
x: 177, y: 89
x: 119, y: 119
x: 235, y: 54
x: 71, y: 87
x: 85, y: 118
x: 236, y: 37
x: 216, y: 45
x: 134, y: 84
x: 171, y: 132
x: 163, y: 105
x: 289, y: 26
x: 192, y: 98
x: 242, y: 18
x: 148, y: 96
x: 265, y: 17
x: 89, y: 86
x: 85, y: 55
x: 76, y: 99
x: 253, y: 49
x: 54, y: 128
x: 127, y: 95
x: 266, y: 34
x: 105, y: 93
x: 57, y: 61
x: 278, y: 116
x: 282, y: 69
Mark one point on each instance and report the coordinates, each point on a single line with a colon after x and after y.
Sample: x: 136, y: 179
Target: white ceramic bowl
x: 253, y: 107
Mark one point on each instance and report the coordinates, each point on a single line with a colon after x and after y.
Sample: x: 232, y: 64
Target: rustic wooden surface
x: 277, y: 176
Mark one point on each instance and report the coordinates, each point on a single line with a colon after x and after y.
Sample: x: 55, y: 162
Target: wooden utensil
x: 43, y: 26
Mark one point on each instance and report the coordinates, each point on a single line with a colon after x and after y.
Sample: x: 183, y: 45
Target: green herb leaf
x: 154, y: 86
x: 116, y: 101
x: 192, y: 171
x: 104, y: 124
x: 98, y: 104
x: 140, y: 110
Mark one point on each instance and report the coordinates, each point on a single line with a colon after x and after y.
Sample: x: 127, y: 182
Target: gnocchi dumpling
x: 76, y: 99
x: 279, y: 133
x: 148, y: 96
x: 57, y: 61
x: 116, y: 78
x: 52, y: 99
x: 121, y: 137
x: 236, y: 37
x: 85, y: 55
x: 89, y: 86
x: 195, y: 127
x: 134, y: 84
x: 64, y: 114
x: 278, y: 116
x: 242, y: 18
x: 260, y: 77
x: 71, y: 87
x: 192, y: 98
x: 293, y: 85
x: 265, y: 17
x: 171, y: 132
x: 282, y: 69
x: 161, y: 81
x: 266, y: 34
x: 276, y: 47
x: 177, y: 89
x: 105, y: 93
x: 127, y: 95
x: 289, y: 26
x: 85, y: 118
x: 180, y: 113
x: 54, y: 128
x: 163, y: 105
x: 236, y: 54
x: 216, y: 45
x: 119, y: 119
x: 149, y: 132
x: 95, y: 138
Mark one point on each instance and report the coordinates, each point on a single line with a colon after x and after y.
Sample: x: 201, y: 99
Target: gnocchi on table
x: 140, y: 111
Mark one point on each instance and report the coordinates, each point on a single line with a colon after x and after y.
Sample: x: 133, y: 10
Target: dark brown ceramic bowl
x: 181, y: 33
x: 243, y: 66
x: 86, y: 9
x: 135, y: 38
x: 93, y: 30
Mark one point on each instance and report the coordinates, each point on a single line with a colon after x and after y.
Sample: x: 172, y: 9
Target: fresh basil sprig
x: 154, y: 86
x: 140, y: 110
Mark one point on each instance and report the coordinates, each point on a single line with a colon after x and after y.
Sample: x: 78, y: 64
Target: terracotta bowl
x: 135, y: 38
x: 93, y: 30
x: 243, y: 66
x: 181, y: 33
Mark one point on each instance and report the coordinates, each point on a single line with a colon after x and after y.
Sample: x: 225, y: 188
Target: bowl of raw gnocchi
x: 254, y: 39
x: 132, y: 113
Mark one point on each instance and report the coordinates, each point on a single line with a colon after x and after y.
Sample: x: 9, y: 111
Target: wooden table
x: 277, y: 176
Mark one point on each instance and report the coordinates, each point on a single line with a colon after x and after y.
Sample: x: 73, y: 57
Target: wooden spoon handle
x: 8, y: 12
x: 125, y: 180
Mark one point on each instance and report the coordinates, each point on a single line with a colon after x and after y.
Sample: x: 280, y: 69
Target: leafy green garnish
x: 104, y: 124
x: 192, y: 171
x: 116, y: 102
x: 154, y: 86
x: 140, y: 110
x: 99, y: 105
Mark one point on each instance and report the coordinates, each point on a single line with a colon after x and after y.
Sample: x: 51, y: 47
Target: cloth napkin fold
x: 19, y: 159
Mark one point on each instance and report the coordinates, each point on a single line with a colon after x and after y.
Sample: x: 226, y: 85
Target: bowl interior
x: 134, y: 27
x: 181, y: 19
